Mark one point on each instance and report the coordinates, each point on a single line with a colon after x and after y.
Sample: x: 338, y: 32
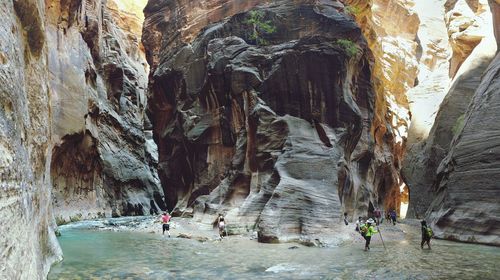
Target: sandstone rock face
x: 273, y: 128
x: 104, y: 162
x: 466, y: 206
x: 73, y: 117
x: 392, y: 29
x: 438, y: 110
x: 27, y: 244
x: 466, y: 22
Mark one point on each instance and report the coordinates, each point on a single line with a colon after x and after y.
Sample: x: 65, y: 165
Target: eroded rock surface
x: 438, y: 109
x: 104, y: 162
x: 466, y: 206
x: 74, y: 134
x: 273, y: 130
x: 27, y: 243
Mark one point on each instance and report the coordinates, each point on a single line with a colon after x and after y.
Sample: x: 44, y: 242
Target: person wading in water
x: 377, y: 215
x: 367, y: 231
x: 165, y: 218
x: 221, y: 225
x: 393, y: 216
x: 426, y: 234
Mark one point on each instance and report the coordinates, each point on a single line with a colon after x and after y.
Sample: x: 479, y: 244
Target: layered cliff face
x: 74, y: 134
x: 265, y: 115
x: 27, y: 244
x: 438, y: 109
x: 104, y: 162
x: 466, y: 205
x: 391, y: 28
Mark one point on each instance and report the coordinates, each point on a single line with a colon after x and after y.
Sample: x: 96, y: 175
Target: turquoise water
x: 92, y: 254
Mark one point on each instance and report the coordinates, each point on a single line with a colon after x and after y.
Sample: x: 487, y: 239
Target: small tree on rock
x: 260, y: 27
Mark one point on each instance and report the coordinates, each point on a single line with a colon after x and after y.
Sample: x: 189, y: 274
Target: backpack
x: 363, y: 229
x: 428, y: 232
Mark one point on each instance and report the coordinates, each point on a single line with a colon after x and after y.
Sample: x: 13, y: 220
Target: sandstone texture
x: 27, y: 243
x: 272, y: 128
x: 466, y: 206
x: 392, y: 29
x: 104, y: 160
x: 438, y: 109
x: 75, y: 141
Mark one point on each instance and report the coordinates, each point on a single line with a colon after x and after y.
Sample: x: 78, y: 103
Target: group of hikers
x: 221, y: 224
x: 367, y: 229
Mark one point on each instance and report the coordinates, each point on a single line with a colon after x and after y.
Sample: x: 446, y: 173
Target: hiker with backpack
x: 359, y: 222
x: 345, y: 219
x: 427, y: 234
x: 367, y: 231
x: 165, y: 219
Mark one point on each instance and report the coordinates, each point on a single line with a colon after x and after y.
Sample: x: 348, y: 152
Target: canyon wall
x: 27, y: 244
x: 266, y: 113
x: 446, y: 46
x: 439, y: 102
x: 104, y: 160
x: 75, y: 141
x: 466, y: 205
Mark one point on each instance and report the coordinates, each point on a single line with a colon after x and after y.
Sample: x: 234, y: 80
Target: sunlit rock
x: 275, y: 132
x: 103, y: 164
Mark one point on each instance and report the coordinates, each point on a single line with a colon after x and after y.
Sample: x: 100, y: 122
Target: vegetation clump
x: 350, y: 48
x: 459, y: 125
x: 352, y: 10
x: 260, y: 27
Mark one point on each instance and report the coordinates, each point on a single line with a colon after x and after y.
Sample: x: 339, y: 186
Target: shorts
x: 166, y: 227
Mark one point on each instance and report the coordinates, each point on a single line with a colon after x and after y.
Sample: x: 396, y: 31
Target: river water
x: 90, y: 254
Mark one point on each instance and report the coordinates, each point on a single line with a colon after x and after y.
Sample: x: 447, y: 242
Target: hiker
x: 345, y: 219
x: 426, y: 234
x: 393, y: 216
x: 368, y: 231
x: 359, y: 222
x: 165, y: 218
x: 377, y: 215
x: 221, y: 225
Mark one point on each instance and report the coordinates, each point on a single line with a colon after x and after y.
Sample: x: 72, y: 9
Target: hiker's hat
x: 370, y: 221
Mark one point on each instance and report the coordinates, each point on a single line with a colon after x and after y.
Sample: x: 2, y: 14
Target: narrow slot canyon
x: 290, y: 118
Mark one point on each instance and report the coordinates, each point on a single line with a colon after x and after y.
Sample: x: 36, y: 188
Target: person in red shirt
x: 165, y: 218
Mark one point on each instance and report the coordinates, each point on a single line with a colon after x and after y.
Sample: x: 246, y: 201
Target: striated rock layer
x: 104, y: 161
x: 392, y: 29
x: 27, y: 243
x: 437, y: 109
x: 273, y: 128
x: 73, y: 130
x: 466, y: 206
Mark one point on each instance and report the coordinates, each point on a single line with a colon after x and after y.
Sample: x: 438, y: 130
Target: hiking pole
x: 381, y: 238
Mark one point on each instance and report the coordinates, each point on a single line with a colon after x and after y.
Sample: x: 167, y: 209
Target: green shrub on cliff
x: 350, y: 48
x: 459, y: 125
x: 352, y: 10
x: 260, y: 27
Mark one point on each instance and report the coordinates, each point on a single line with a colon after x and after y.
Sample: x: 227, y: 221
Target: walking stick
x: 381, y: 238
